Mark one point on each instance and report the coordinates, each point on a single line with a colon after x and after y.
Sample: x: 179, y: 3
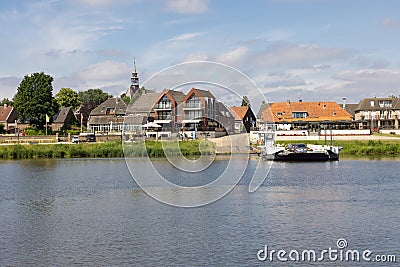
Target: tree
x: 2, y: 128
x: 93, y: 96
x: 245, y: 101
x: 126, y: 98
x: 7, y: 102
x: 67, y: 97
x: 34, y: 99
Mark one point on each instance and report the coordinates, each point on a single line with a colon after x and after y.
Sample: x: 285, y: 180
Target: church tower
x: 134, y: 81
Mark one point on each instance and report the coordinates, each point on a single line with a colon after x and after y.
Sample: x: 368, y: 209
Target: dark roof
x: 177, y: 95
x: 143, y: 104
x: 62, y: 115
x: 112, y: 106
x: 104, y: 120
x: 135, y: 120
x: 365, y: 104
x: 350, y: 108
x: 205, y: 93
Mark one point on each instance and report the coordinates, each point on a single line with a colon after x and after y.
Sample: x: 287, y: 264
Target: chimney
x: 287, y: 102
x: 300, y: 100
x: 344, y: 102
x: 5, y: 105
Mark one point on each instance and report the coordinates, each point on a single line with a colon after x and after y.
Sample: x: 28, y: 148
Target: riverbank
x: 114, y: 149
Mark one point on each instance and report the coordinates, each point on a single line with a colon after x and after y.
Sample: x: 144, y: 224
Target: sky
x: 314, y: 50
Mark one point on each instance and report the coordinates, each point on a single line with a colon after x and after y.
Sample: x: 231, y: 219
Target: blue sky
x: 308, y: 49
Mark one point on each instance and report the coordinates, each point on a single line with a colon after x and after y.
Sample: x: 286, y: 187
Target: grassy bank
x: 370, y: 147
x: 97, y: 150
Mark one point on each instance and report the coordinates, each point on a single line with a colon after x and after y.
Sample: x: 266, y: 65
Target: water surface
x: 89, y: 212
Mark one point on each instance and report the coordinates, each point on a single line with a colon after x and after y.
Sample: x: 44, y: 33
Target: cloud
x: 188, y: 6
x: 234, y: 56
x: 111, y: 76
x: 389, y: 23
x: 357, y: 84
x: 298, y: 55
x: 8, y: 86
x: 184, y: 37
x: 287, y: 82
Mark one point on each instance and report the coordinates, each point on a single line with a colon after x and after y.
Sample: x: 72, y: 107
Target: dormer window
x: 279, y: 114
x: 301, y: 114
x: 372, y: 103
x: 385, y: 103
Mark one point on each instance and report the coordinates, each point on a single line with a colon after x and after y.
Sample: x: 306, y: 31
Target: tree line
x: 34, y: 99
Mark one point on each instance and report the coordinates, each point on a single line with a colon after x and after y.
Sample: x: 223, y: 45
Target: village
x: 199, y: 114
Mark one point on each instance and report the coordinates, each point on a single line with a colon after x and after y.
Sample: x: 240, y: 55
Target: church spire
x: 134, y: 80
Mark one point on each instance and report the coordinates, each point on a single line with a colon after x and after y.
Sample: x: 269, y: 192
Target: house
x: 83, y: 112
x: 8, y: 117
x: 201, y: 114
x: 168, y: 110
x: 244, y: 118
x: 108, y: 116
x: 378, y: 113
x: 143, y: 106
x: 63, y: 118
x: 306, y: 115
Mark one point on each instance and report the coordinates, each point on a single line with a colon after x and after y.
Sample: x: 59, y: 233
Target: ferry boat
x: 296, y: 151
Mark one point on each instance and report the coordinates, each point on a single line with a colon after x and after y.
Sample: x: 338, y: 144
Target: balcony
x: 163, y: 106
x: 192, y: 105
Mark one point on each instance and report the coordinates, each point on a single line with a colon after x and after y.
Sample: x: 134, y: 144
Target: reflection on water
x: 90, y: 212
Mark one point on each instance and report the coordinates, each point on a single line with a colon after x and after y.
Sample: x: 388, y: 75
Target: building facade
x: 378, y: 113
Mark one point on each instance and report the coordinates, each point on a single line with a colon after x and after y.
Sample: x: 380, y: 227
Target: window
x: 279, y: 114
x: 372, y: 103
x: 193, y: 115
x: 385, y: 103
x: 164, y: 115
x: 164, y: 103
x: 193, y: 102
x: 297, y: 115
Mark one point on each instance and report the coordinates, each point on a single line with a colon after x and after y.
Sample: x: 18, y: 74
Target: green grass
x: 369, y: 147
x: 100, y: 150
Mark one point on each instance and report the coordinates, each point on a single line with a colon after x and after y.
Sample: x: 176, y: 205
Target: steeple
x: 134, y: 80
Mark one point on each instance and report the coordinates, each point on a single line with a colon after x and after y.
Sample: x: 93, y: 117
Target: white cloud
x: 105, y: 71
x: 195, y: 57
x: 298, y: 55
x: 234, y: 56
x: 188, y: 6
x: 184, y: 37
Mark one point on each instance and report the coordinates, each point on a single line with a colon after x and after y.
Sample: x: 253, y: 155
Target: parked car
x: 75, y: 139
x: 91, y: 137
x: 297, y: 148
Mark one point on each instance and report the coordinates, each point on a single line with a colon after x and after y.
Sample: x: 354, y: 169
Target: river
x: 90, y: 212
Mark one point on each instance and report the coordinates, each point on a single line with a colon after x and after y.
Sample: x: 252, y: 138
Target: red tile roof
x: 316, y: 111
x: 239, y: 112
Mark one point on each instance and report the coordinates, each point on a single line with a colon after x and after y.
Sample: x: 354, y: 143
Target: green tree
x: 67, y: 97
x: 245, y: 101
x: 2, y: 128
x: 126, y: 98
x: 7, y: 102
x: 34, y: 99
x: 93, y: 96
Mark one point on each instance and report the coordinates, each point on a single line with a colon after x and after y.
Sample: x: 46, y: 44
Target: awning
x: 151, y: 125
x: 162, y: 121
x: 191, y: 121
